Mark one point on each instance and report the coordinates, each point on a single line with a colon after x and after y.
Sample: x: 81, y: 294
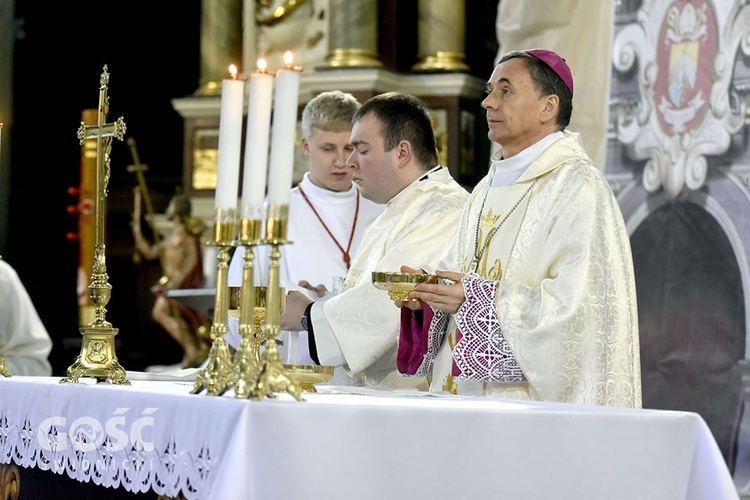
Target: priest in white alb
x: 395, y: 162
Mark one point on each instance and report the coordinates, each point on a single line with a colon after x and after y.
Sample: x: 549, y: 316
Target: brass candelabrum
x: 246, y: 362
x: 271, y: 376
x: 97, y: 358
x: 216, y: 376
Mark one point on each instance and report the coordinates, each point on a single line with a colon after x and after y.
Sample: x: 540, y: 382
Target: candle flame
x: 288, y: 58
x: 233, y: 71
x: 262, y: 65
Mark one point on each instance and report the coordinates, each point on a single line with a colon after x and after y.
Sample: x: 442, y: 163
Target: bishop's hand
x: 446, y: 296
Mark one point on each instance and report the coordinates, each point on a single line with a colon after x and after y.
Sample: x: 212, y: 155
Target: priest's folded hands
x: 447, y: 296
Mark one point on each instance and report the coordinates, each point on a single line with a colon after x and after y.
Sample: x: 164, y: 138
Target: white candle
x: 283, y: 130
x: 230, y: 143
x: 256, y: 143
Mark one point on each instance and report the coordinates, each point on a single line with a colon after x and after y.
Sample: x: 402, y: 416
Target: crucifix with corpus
x: 97, y: 358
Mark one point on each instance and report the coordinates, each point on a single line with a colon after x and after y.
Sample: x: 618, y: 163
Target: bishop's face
x: 328, y: 152
x: 514, y: 109
x: 375, y: 169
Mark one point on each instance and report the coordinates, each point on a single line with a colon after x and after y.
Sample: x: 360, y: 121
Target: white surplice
x: 561, y: 290
x: 359, y: 327
x: 310, y: 255
x: 24, y: 341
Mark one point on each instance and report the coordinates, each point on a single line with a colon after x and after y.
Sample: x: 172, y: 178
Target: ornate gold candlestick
x: 97, y: 358
x: 4, y: 368
x: 271, y: 376
x: 216, y: 376
x: 246, y: 362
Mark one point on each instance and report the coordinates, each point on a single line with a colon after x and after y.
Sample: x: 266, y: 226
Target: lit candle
x: 1, y: 145
x: 256, y: 142
x: 230, y: 143
x: 283, y: 131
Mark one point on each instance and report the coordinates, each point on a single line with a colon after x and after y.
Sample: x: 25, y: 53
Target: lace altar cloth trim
x: 138, y: 468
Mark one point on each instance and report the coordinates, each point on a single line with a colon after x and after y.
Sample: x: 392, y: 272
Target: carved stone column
x: 442, y: 31
x: 353, y: 34
x: 221, y: 42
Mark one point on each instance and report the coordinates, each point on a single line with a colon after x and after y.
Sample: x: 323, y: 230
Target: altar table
x: 353, y: 443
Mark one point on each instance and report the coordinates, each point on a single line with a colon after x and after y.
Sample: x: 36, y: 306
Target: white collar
x: 508, y: 170
x: 314, y: 192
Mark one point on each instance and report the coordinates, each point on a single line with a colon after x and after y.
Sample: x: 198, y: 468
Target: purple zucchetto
x: 557, y: 64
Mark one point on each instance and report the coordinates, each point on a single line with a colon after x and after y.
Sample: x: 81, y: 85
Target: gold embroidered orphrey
x: 97, y: 358
x: 490, y: 220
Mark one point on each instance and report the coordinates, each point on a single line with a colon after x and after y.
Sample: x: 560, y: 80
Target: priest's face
x: 328, y: 152
x: 516, y: 114
x: 375, y: 169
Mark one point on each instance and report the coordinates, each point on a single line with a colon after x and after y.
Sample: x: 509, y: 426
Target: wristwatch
x: 305, y: 321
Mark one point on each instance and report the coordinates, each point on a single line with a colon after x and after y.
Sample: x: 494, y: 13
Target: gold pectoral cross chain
x: 491, y: 220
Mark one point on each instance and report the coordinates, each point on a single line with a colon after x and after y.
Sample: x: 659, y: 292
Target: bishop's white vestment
x: 550, y: 311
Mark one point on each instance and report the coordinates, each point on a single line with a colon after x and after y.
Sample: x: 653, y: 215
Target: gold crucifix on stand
x: 97, y: 358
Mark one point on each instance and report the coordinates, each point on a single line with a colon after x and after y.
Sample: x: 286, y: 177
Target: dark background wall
x: 152, y: 51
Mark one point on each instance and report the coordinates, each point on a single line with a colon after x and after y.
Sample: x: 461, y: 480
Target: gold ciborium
x: 400, y: 284
x: 257, y: 336
x: 248, y: 353
x: 309, y: 375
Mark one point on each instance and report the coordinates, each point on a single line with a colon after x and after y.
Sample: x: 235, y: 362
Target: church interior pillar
x: 441, y: 36
x: 221, y: 42
x: 353, y: 34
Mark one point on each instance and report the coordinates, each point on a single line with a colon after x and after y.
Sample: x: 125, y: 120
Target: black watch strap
x: 306, y: 323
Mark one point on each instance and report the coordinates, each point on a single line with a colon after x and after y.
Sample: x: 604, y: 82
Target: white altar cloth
x: 349, y: 443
